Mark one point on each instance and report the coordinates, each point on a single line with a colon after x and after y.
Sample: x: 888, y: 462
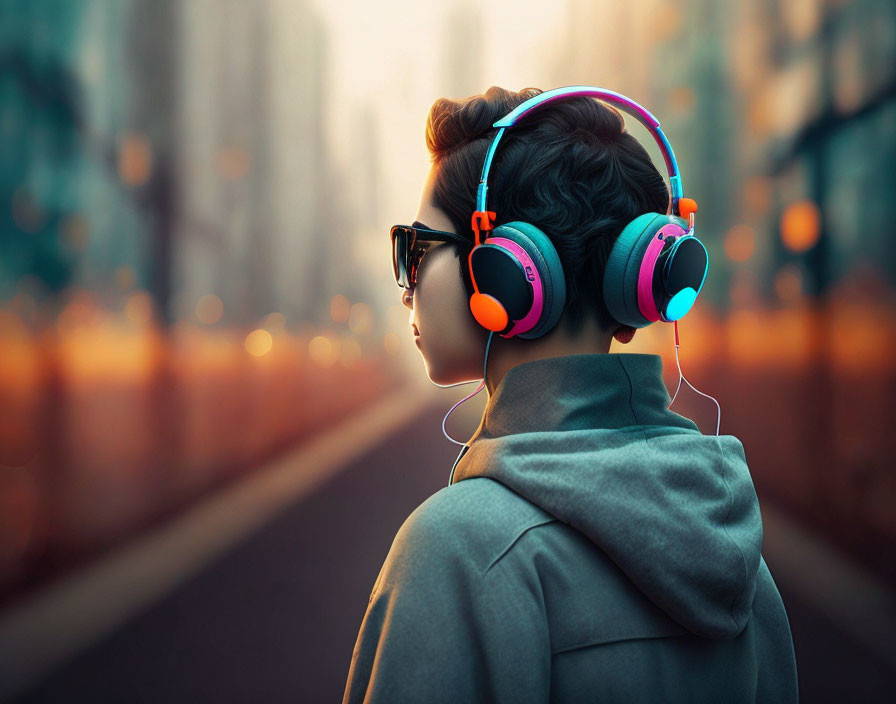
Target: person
x: 592, y: 544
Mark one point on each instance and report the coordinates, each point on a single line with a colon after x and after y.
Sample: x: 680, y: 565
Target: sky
x: 387, y: 59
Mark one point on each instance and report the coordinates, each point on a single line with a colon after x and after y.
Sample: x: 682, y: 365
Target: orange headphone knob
x: 488, y: 311
x: 686, y: 206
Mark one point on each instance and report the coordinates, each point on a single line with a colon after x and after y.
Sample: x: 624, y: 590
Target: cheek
x: 443, y: 308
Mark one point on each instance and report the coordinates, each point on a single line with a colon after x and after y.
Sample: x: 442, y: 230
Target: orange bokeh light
x: 259, y: 342
x: 800, y: 225
x: 789, y: 284
x: 340, y: 308
x: 134, y: 158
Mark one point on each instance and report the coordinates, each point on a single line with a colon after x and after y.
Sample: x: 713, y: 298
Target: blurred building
x: 172, y: 147
x: 781, y: 115
x: 817, y: 85
x: 68, y: 220
x: 255, y: 171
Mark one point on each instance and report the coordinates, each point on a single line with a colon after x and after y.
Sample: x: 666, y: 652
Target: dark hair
x: 571, y: 169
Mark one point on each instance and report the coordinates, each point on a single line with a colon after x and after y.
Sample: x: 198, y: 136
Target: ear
x: 624, y: 334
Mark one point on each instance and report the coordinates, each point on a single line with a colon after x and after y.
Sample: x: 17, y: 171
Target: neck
x: 505, y: 353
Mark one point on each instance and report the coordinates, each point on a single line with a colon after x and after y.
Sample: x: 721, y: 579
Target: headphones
x: 655, y: 270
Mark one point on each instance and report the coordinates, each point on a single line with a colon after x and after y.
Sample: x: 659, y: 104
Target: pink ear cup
x: 528, y: 321
x: 646, y: 302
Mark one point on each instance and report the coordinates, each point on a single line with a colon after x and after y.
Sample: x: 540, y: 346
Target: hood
x: 589, y: 438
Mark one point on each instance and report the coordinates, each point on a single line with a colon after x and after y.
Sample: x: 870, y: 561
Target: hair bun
x: 452, y: 123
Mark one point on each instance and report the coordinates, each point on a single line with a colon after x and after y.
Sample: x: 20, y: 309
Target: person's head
x: 571, y: 170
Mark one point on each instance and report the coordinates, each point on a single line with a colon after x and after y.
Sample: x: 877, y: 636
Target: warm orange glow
x: 789, y: 284
x: 665, y: 22
x: 19, y: 361
x: 103, y: 349
x: 204, y: 351
x: 350, y: 352
x: 749, y: 342
x: 134, y: 158
x: 740, y: 243
x: 25, y: 305
x: 340, y: 309
x: 259, y: 342
x: 865, y: 338
x: 78, y: 312
x: 360, y: 319
x: 322, y: 351
x: 790, y: 332
x: 800, y: 225
x: 138, y: 309
x: 209, y: 309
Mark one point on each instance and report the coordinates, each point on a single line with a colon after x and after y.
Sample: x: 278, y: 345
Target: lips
x: 416, y: 331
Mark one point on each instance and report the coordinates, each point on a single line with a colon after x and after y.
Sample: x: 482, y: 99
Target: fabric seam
x: 516, y: 540
x: 631, y: 393
x: 592, y: 644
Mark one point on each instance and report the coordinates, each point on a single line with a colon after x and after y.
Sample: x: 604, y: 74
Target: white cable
x: 682, y: 376
x: 479, y: 388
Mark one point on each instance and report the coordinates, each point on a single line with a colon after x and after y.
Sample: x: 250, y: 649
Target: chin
x: 444, y: 375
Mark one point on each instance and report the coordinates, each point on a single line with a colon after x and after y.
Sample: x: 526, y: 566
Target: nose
x: 407, y: 298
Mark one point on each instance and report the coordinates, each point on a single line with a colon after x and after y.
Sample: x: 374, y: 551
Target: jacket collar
x: 579, y: 391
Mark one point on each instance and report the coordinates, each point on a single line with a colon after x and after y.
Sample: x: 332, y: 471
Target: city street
x: 274, y: 618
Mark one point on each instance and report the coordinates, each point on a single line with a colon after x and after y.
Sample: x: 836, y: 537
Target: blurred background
x: 213, y: 418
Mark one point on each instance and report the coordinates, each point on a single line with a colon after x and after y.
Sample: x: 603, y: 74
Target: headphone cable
x: 478, y: 389
x: 682, y: 376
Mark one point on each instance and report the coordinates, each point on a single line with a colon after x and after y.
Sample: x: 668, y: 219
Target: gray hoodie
x: 593, y: 545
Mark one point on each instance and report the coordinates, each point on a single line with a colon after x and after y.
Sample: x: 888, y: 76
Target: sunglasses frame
x: 412, y: 234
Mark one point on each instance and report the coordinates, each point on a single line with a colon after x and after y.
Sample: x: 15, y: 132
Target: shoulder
x: 472, y: 522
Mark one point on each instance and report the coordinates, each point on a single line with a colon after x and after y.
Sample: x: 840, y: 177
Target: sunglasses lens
x: 401, y: 241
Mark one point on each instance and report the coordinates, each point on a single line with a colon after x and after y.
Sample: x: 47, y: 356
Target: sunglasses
x: 406, y: 254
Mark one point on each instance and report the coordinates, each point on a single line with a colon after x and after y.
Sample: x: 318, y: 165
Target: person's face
x: 450, y: 340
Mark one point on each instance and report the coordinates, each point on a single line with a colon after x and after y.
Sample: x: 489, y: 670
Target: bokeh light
x: 259, y: 342
x: 323, y: 351
x: 789, y: 283
x: 360, y: 319
x: 350, y: 352
x: 740, y: 243
x: 340, y: 308
x: 274, y: 322
x: 209, y: 309
x: 134, y: 158
x: 800, y: 225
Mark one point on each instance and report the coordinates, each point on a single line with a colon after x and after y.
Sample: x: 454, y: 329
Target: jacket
x: 593, y: 546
